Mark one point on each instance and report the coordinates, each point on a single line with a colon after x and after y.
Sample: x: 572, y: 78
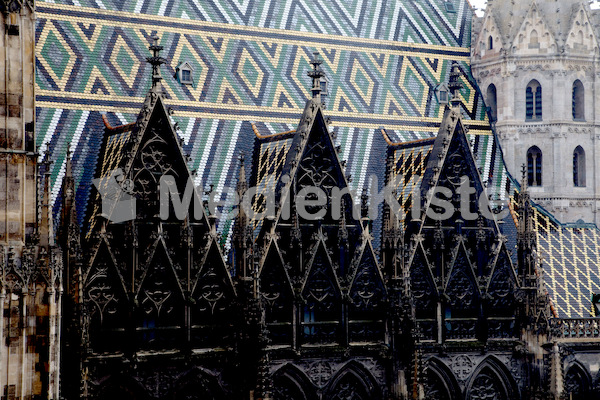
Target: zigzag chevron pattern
x: 98, y: 61
x: 406, y: 21
x: 250, y: 59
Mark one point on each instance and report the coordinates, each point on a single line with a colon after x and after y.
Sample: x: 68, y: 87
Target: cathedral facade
x: 535, y: 63
x: 196, y: 221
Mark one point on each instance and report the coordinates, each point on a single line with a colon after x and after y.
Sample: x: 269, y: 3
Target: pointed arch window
x: 533, y: 101
x: 578, y: 100
x: 492, y: 102
x: 490, y: 43
x: 534, y: 166
x: 577, y: 385
x: 533, y: 40
x: 579, y: 167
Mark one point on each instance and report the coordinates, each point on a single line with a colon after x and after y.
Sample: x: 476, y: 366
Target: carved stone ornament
x: 462, y: 366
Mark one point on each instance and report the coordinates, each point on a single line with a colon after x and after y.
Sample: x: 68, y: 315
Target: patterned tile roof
x: 382, y: 68
x: 571, y: 264
x: 383, y: 61
x: 409, y: 161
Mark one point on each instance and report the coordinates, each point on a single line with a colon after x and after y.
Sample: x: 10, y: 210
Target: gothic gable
x: 452, y: 174
x: 534, y: 36
x: 160, y: 297
x: 213, y: 299
x: 424, y: 289
x: 502, y: 284
x: 171, y: 265
x: 318, y: 249
x: 321, y: 293
x: 470, y: 266
x: 276, y: 287
x: 581, y: 37
x: 213, y: 289
x: 107, y: 300
x: 461, y: 286
x: 313, y: 162
x: 489, y: 42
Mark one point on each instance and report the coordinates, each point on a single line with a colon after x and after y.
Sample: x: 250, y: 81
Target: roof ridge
x: 116, y: 129
x: 260, y: 136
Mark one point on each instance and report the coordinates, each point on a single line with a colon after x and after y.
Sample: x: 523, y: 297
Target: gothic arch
x: 578, y: 100
x: 442, y: 384
x: 579, y: 167
x: 492, y: 101
x: 533, y: 101
x: 534, y: 166
x: 121, y: 386
x: 197, y: 384
x: 491, y: 378
x: 577, y: 381
x: 353, y: 381
x: 290, y: 383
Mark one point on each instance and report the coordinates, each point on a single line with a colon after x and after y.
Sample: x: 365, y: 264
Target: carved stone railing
x: 575, y: 328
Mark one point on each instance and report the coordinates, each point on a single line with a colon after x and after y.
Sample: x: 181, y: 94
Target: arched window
x: 490, y: 43
x: 534, y: 166
x: 579, y: 167
x: 577, y: 385
x: 578, y: 98
x: 491, y: 101
x: 533, y: 101
x: 533, y: 39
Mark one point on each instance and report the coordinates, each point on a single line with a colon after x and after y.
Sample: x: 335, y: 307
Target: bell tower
x: 30, y: 263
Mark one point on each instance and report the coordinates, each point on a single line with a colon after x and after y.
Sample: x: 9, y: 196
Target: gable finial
x: 455, y: 85
x: 523, y: 177
x: 316, y: 74
x: 156, y: 61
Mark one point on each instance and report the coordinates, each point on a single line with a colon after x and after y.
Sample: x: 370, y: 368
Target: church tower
x: 535, y: 63
x: 30, y: 263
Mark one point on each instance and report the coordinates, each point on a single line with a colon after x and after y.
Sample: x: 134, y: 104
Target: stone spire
x: 241, y: 241
x: 316, y: 74
x: 45, y: 228
x: 156, y: 61
x: 526, y: 239
x: 455, y: 85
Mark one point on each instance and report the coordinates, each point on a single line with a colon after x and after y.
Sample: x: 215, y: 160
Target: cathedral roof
x: 570, y: 263
x: 510, y: 16
x: 249, y: 66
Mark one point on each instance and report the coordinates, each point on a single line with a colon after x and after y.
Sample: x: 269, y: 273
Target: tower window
x: 490, y: 43
x: 492, y: 102
x: 533, y: 101
x: 534, y: 166
x: 578, y: 100
x: 579, y: 167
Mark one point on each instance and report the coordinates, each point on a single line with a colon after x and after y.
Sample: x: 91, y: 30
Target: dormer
x: 184, y: 73
x: 442, y: 93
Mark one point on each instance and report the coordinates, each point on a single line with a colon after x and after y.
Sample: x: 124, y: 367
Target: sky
x: 480, y: 4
